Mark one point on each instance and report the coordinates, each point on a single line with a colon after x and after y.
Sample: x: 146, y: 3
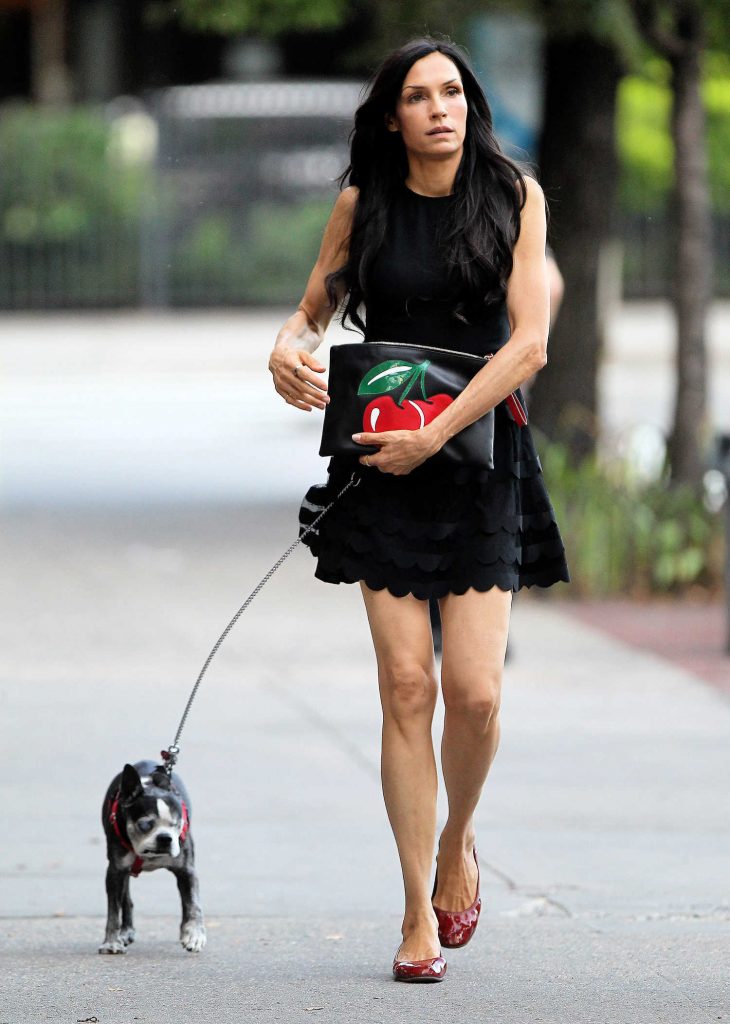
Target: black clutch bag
x: 376, y: 386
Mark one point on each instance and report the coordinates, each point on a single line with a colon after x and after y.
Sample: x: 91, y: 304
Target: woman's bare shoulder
x: 531, y: 190
x: 533, y: 218
x: 534, y: 188
x: 347, y: 199
x: 340, y: 221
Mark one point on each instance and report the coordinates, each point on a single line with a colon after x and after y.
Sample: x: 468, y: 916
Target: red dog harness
x: 138, y: 861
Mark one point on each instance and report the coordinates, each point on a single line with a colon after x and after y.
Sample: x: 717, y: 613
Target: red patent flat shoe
x: 456, y: 927
x: 432, y: 969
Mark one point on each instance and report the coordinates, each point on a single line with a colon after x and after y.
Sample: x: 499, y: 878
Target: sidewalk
x: 603, y: 828
x: 690, y: 634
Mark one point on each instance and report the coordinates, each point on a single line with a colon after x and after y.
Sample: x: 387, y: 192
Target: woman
x: 441, y: 239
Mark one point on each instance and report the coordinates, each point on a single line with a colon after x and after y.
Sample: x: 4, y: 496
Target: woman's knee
x: 476, y: 699
x: 407, y: 689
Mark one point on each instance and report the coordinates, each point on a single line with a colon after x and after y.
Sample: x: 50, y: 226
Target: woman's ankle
x: 459, y: 837
x: 424, y: 920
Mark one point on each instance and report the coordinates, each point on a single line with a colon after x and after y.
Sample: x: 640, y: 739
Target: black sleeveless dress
x: 436, y: 530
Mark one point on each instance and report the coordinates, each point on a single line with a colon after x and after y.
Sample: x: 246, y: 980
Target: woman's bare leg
x: 401, y: 633
x: 475, y: 627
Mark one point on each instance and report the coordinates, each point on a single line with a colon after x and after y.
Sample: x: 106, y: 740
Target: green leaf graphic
x: 385, y: 377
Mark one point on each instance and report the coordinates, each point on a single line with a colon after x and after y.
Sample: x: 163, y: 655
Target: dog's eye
x: 145, y: 824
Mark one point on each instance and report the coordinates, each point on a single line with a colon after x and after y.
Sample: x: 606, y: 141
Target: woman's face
x: 431, y: 110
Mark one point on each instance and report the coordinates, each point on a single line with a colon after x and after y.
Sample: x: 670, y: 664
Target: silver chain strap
x: 172, y: 753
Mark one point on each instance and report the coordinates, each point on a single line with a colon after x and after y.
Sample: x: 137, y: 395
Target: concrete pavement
x: 603, y: 828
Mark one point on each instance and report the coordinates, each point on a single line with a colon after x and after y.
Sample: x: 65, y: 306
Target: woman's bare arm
x: 303, y: 332
x: 528, y: 310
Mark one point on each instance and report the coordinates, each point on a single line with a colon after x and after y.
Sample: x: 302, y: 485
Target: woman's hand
x: 400, y: 450
x: 304, y: 331
x: 295, y: 372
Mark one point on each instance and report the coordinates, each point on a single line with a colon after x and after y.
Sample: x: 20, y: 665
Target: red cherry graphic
x: 383, y: 414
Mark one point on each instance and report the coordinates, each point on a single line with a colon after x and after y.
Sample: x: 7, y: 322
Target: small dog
x: 146, y: 818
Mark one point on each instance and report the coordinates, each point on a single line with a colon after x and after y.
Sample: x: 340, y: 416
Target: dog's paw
x: 127, y: 935
x: 113, y: 946
x: 192, y: 936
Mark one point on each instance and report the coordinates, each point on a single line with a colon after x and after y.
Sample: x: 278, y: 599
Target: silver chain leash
x: 172, y: 753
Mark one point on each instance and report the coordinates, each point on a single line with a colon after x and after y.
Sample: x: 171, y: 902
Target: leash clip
x: 170, y: 757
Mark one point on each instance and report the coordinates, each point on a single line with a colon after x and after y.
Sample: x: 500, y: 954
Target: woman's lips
x: 440, y: 131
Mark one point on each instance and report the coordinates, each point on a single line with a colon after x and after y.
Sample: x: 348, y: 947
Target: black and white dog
x: 146, y: 817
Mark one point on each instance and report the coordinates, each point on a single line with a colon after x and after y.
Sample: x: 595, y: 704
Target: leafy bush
x: 58, y: 181
x: 70, y: 208
x: 626, y: 534
x: 284, y: 245
x: 267, y: 259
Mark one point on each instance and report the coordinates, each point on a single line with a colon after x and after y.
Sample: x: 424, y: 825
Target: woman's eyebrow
x: 423, y: 86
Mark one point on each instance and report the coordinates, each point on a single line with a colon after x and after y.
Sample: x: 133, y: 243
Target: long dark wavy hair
x: 490, y: 190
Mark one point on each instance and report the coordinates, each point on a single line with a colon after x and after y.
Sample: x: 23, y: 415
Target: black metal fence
x: 203, y: 195
x: 245, y: 180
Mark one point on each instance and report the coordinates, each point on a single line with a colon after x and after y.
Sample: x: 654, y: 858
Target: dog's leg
x: 192, y: 929
x: 115, y: 884
x: 127, y: 932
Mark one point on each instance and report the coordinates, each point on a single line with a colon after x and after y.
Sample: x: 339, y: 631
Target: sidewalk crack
x: 512, y: 886
x: 508, y: 882
x: 680, y: 988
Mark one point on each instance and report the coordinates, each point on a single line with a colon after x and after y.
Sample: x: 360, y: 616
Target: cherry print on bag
x: 382, y: 386
x: 384, y: 412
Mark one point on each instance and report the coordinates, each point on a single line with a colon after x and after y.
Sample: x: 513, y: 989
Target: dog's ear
x: 131, y: 783
x: 160, y: 778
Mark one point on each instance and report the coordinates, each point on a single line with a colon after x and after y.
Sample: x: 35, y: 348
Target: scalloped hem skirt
x: 439, y: 530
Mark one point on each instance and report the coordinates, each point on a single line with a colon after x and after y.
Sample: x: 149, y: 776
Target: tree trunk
x: 694, y: 262
x: 50, y: 76
x: 578, y: 172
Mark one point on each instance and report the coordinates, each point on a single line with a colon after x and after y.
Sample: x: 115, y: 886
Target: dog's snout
x: 164, y: 842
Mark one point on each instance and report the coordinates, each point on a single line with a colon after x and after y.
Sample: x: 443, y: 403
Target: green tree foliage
x: 645, y: 146
x: 266, y: 17
x: 389, y: 24
x: 644, y: 140
x: 716, y: 94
